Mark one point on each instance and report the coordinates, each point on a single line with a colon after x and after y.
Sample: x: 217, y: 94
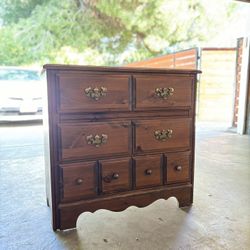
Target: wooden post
x: 241, y: 126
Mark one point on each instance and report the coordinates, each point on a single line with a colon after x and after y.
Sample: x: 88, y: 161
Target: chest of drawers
x: 117, y: 137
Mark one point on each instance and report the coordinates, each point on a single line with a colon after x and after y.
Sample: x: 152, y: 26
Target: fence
x: 215, y: 90
x: 183, y: 59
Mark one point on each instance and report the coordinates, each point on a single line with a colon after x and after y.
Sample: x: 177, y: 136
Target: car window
x: 9, y: 74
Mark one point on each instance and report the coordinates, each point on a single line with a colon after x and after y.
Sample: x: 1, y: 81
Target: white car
x: 20, y: 93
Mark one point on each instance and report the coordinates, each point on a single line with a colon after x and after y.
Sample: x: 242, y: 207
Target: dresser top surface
x: 118, y: 69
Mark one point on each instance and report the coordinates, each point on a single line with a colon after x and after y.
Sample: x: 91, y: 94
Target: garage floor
x: 218, y: 219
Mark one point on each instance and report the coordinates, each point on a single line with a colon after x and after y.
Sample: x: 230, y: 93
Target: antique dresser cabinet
x: 117, y: 137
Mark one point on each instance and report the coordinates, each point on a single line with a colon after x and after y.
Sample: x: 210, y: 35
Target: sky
x: 239, y: 26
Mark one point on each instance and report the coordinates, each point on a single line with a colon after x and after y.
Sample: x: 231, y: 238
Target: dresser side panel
x: 193, y: 115
x: 50, y: 145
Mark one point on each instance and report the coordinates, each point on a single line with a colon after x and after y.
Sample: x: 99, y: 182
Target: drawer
x: 78, y: 181
x: 116, y: 175
x: 155, y: 92
x: 83, y: 92
x: 178, y: 167
x: 153, y: 135
x: 148, y: 171
x: 81, y: 140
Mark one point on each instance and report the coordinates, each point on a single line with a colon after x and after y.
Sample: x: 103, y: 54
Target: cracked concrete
x: 218, y: 219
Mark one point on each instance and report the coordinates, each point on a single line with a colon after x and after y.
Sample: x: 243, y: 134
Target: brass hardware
x: 163, y: 135
x: 148, y: 172
x: 111, y: 177
x: 97, y: 140
x: 164, y: 93
x: 115, y: 176
x: 178, y: 168
x: 95, y: 93
x: 79, y: 181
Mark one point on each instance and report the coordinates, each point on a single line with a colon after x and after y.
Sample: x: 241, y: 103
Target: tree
x: 14, y: 10
x: 105, y: 32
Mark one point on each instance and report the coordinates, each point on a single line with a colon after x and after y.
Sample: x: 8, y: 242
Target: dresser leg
x: 185, y: 203
x: 185, y: 198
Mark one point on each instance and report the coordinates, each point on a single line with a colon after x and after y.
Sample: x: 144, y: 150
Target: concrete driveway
x: 218, y: 219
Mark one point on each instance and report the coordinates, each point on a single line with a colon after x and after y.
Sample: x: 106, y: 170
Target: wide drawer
x: 156, y: 92
x: 148, y: 171
x: 116, y: 175
x: 83, y: 92
x: 178, y: 167
x: 78, y: 181
x: 155, y: 135
x: 81, y: 140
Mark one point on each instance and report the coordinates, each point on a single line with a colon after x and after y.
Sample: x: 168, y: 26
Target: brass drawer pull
x: 95, y: 93
x: 111, y: 177
x: 163, y: 135
x: 178, y: 168
x: 79, y: 181
x: 97, y: 140
x: 115, y: 176
x: 164, y: 93
x: 148, y: 172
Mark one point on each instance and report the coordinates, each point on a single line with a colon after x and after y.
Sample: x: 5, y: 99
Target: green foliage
x: 104, y: 32
x: 12, y: 52
x: 13, y: 10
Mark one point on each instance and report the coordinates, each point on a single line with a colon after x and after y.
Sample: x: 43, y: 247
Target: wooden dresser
x: 117, y: 137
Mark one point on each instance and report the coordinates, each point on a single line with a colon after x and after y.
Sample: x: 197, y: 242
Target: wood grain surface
x: 147, y: 99
x: 74, y: 99
x: 103, y: 153
x: 145, y: 134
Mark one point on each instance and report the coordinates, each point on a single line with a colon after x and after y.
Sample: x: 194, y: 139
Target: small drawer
x: 116, y: 175
x: 156, y: 92
x: 85, y: 92
x: 86, y: 140
x: 148, y: 171
x: 78, y: 181
x: 178, y: 167
x: 155, y: 135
